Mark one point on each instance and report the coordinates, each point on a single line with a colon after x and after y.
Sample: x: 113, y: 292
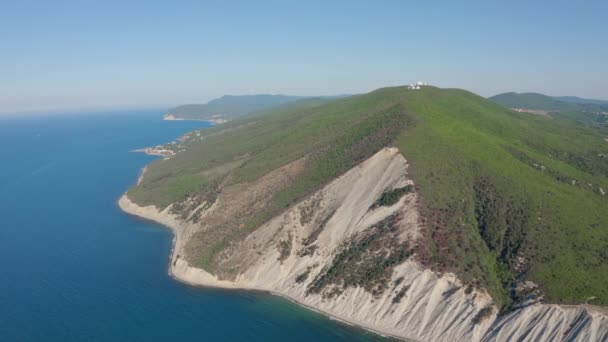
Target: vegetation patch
x: 560, y: 176
x: 284, y: 247
x: 308, y: 251
x: 304, y: 275
x: 483, y: 314
x: 399, y: 295
x: 391, y: 197
x: 397, y: 281
x: 166, y: 191
x: 308, y: 210
x: 366, y: 260
x: 312, y: 237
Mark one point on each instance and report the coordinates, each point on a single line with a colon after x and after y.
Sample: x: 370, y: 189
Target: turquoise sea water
x: 73, y: 267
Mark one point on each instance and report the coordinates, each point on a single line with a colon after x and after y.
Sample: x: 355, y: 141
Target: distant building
x: 416, y: 86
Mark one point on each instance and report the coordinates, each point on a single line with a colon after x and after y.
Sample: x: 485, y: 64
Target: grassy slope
x: 495, y: 184
x: 466, y: 152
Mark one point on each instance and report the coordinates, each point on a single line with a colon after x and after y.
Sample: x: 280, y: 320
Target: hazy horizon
x: 68, y: 56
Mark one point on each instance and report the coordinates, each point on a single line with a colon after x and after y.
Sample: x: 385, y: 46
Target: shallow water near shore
x: 76, y: 268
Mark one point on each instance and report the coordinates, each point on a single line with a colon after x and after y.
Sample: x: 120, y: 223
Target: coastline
x: 214, y: 121
x: 590, y: 322
x: 164, y: 218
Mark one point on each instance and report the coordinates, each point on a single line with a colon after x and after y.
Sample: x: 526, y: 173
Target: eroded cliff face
x: 347, y: 250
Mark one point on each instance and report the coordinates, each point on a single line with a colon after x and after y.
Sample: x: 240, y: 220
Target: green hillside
x: 506, y: 196
x: 532, y: 101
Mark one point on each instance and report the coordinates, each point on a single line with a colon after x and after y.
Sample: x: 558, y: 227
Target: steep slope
x: 492, y: 212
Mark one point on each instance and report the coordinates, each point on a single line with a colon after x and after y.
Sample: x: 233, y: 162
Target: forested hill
x: 506, y: 197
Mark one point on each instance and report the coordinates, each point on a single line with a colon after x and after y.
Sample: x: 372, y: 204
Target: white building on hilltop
x: 416, y: 86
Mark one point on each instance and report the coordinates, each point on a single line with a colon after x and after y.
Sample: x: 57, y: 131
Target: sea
x: 74, y: 267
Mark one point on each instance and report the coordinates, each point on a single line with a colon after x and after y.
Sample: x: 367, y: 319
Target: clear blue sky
x: 93, y: 54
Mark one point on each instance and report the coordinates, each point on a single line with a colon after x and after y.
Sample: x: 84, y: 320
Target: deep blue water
x: 73, y: 267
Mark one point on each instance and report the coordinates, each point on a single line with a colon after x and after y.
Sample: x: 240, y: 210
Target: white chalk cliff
x: 430, y: 307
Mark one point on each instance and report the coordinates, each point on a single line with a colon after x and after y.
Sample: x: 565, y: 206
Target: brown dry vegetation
x: 225, y: 228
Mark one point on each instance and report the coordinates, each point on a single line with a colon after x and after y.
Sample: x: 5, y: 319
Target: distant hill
x: 548, y: 103
x: 588, y: 112
x: 532, y: 101
x: 230, y: 107
x: 576, y: 99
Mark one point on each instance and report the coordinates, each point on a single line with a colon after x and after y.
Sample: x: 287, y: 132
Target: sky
x: 60, y: 55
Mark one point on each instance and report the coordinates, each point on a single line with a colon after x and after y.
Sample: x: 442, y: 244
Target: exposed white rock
x: 215, y: 119
x: 171, y: 117
x: 546, y: 322
x: 158, y: 150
